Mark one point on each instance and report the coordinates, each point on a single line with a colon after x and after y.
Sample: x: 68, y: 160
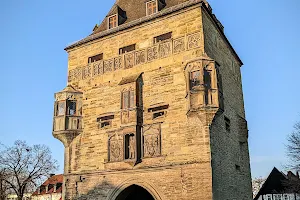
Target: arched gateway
x: 135, y: 192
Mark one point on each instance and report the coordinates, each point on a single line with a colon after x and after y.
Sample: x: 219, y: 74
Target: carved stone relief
x: 129, y: 60
x: 118, y: 63
x: 86, y: 72
x: 178, y: 45
x: 165, y: 49
x: 116, y: 148
x: 98, y: 68
x: 194, y: 40
x: 151, y: 135
x: 140, y: 57
x: 108, y: 65
x: 152, y: 53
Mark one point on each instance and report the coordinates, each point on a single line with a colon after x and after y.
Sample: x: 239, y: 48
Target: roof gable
x: 133, y: 9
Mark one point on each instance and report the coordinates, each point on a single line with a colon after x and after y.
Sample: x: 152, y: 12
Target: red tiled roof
x: 53, y: 180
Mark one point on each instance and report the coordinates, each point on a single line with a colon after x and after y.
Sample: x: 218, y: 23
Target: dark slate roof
x: 277, y: 183
x: 53, y: 180
x: 135, y: 9
x: 135, y: 14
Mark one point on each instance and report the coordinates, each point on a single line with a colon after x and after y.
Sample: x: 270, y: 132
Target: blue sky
x: 34, y: 66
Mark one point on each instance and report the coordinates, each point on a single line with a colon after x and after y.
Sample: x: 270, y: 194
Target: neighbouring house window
x: 285, y: 197
x: 95, y: 58
x: 194, y: 79
x: 129, y: 146
x: 60, y: 108
x: 227, y: 124
x: 112, y: 22
x: 163, y: 37
x: 151, y: 7
x: 71, y: 108
x: 105, y: 121
x: 128, y: 99
x: 269, y: 197
x: 127, y: 49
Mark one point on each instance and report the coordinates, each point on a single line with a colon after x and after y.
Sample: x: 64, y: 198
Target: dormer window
x: 112, y: 21
x: 151, y: 7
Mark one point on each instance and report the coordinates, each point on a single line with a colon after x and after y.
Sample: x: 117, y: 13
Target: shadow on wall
x: 108, y: 191
x: 99, y: 192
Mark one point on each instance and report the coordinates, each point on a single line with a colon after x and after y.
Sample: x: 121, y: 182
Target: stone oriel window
x: 129, y: 146
x: 163, y: 37
x: 128, y: 99
x: 112, y: 21
x: 127, y: 49
x: 227, y: 123
x: 95, y: 58
x: 151, y: 7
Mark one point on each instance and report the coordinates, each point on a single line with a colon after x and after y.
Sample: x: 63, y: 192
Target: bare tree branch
x: 25, y: 166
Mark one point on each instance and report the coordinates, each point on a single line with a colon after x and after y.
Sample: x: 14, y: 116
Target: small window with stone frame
x: 151, y: 7
x: 127, y: 49
x: 227, y: 124
x: 162, y: 37
x: 112, y: 21
x: 60, y: 109
x: 159, y: 111
x: 71, y: 108
x: 105, y: 121
x: 128, y: 99
x: 195, y: 79
x: 129, y: 145
x: 95, y: 58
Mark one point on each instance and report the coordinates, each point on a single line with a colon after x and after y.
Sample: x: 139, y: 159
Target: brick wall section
x: 228, y: 148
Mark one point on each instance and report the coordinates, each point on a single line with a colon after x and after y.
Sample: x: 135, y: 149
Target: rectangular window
x: 127, y: 49
x: 194, y: 79
x: 60, y: 108
x: 95, y: 58
x: 163, y: 37
x: 112, y: 21
x: 238, y: 167
x: 128, y: 99
x: 227, y: 123
x: 207, y: 79
x: 151, y: 7
x: 71, y: 108
x: 105, y: 121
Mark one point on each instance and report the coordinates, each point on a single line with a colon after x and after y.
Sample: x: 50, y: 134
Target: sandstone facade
x: 166, y: 118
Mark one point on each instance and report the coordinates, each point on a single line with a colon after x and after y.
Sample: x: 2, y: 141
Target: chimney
x: 289, y: 174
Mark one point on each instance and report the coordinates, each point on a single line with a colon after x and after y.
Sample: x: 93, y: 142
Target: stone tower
x: 154, y: 107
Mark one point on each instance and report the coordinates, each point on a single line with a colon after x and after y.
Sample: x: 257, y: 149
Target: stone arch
x: 138, y: 181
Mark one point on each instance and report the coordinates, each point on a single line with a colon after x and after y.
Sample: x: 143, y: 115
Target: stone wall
x: 186, y: 157
x: 230, y: 154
